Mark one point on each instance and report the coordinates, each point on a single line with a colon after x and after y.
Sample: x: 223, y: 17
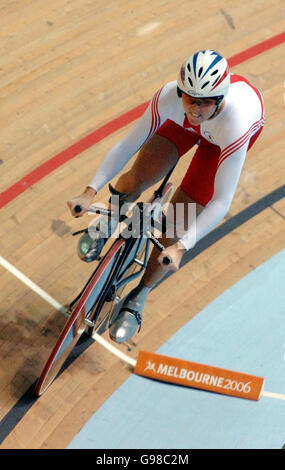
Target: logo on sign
x: 150, y: 366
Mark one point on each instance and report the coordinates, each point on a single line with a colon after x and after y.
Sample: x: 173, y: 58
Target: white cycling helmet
x: 204, y: 74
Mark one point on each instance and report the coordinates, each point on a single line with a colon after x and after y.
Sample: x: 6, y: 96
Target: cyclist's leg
x: 172, y: 142
x: 130, y: 316
x: 154, y: 160
x: 196, y: 187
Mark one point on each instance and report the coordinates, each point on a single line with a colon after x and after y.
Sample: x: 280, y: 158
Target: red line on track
x: 53, y: 163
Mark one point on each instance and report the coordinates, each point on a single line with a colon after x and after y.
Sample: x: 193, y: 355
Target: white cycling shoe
x: 128, y: 321
x: 92, y: 242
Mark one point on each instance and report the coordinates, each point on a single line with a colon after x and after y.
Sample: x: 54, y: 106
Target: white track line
x: 114, y: 350
x: 25, y: 280
x: 50, y: 300
x: 278, y: 396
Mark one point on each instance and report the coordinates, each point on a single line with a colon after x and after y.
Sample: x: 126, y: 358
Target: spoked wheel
x: 78, y: 320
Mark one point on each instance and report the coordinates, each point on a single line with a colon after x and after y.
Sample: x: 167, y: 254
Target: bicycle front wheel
x: 76, y: 324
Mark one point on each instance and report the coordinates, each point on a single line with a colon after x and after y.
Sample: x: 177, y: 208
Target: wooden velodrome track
x: 67, y: 68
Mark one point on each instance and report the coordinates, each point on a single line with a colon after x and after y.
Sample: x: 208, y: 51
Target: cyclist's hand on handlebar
x: 80, y: 204
x: 170, y: 258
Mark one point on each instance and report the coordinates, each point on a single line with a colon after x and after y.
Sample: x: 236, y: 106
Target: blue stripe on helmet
x: 195, y: 57
x: 215, y: 61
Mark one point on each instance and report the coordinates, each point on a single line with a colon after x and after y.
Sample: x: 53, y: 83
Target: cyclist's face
x: 198, y: 110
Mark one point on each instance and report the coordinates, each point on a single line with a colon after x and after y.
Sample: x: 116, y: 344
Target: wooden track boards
x: 69, y: 67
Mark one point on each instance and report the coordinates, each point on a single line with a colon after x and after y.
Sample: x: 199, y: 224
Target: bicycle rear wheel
x: 76, y: 324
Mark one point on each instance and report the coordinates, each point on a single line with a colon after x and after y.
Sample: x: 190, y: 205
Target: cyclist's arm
x: 120, y: 154
x: 226, y: 181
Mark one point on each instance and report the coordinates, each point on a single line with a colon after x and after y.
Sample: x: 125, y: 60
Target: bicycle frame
x: 99, y: 210
x: 117, y: 279
x: 110, y: 275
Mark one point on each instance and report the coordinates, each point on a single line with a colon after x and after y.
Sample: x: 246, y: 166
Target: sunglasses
x: 202, y: 101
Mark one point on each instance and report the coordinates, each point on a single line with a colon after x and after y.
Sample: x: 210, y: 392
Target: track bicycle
x: 97, y: 304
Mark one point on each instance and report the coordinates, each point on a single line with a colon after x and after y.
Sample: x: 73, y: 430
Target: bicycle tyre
x: 75, y: 325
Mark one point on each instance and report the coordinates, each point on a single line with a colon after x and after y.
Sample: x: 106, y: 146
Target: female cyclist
x: 220, y: 112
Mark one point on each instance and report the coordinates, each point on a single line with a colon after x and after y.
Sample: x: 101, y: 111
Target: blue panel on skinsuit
x: 243, y: 330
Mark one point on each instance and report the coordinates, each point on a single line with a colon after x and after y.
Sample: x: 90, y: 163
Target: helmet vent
x: 218, y: 78
x: 190, y: 81
x: 188, y: 67
x: 200, y: 72
x: 214, y: 73
x: 205, y: 84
